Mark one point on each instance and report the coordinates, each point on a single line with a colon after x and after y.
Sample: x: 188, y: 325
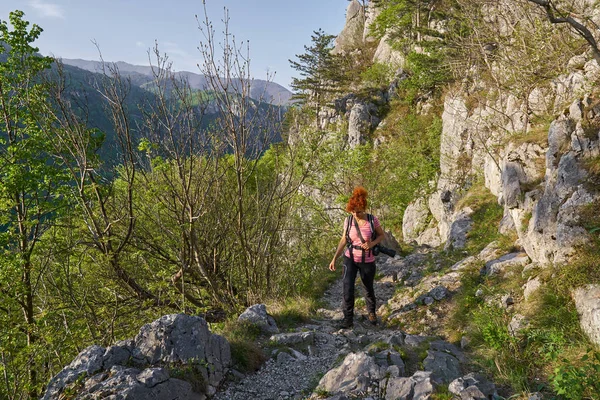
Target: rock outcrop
x: 175, y: 356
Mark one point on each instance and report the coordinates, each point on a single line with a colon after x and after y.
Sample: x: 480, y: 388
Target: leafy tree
x: 32, y: 191
x: 576, y: 16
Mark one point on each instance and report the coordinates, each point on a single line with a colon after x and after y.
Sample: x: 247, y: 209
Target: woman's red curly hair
x: 358, y: 200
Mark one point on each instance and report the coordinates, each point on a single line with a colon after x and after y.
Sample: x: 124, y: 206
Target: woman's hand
x: 367, y: 245
x: 332, y: 265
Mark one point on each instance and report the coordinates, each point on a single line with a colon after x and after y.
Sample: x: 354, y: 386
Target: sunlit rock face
x: 175, y: 356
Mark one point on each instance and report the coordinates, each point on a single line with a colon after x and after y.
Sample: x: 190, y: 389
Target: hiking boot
x: 373, y: 318
x: 345, y: 324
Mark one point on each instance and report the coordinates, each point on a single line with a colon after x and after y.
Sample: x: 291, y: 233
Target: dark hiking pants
x: 367, y: 275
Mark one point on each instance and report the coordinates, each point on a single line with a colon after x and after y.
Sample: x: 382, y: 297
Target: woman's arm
x: 380, y: 236
x: 339, y: 250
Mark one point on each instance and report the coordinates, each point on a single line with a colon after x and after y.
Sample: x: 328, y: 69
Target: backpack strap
x: 362, y: 240
x: 348, y: 241
x: 372, y: 225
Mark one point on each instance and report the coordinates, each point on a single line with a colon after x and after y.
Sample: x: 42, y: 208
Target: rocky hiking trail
x: 370, y: 362
x: 177, y: 357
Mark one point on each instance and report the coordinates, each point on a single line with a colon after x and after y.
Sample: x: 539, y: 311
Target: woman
x: 358, y: 257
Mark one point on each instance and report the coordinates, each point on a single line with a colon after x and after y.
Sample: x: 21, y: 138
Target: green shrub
x: 581, y: 380
x: 378, y: 75
x: 246, y: 353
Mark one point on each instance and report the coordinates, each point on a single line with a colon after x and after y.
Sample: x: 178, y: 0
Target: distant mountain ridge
x: 265, y: 91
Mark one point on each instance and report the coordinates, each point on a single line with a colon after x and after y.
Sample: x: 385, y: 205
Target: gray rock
x: 284, y: 357
x: 419, y: 386
x: 362, y: 119
x: 472, y: 386
x: 294, y: 339
x: 396, y: 339
x: 354, y: 375
x: 587, y: 301
x: 531, y: 287
x: 442, y: 346
x: 415, y: 220
x: 459, y: 228
x: 444, y: 367
x: 399, y: 389
x: 257, y: 315
x: 517, y: 324
x: 507, y: 301
x: 415, y: 340
x: 175, y: 342
x: 151, y: 377
x: 439, y: 292
x: 506, y: 261
x: 388, y: 358
x: 351, y: 36
x: 87, y: 363
x: 118, y: 354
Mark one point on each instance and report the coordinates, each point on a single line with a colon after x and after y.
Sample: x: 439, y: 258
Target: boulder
x: 517, y: 324
x: 417, y: 387
x: 472, y: 386
x: 459, y: 228
x: 360, y: 122
x: 415, y: 220
x: 506, y: 261
x: 531, y: 287
x: 356, y: 374
x: 294, y: 339
x: 257, y: 315
x: 444, y: 367
x: 351, y: 36
x: 175, y: 344
x: 587, y: 301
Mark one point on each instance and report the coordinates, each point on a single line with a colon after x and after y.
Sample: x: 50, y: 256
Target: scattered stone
x: 497, y: 266
x: 507, y: 301
x: 257, y: 315
x: 347, y: 377
x: 439, y: 292
x: 465, y: 342
x: 444, y: 367
x: 472, y: 386
x: 587, y: 302
x: 517, y: 324
x: 418, y: 386
x: 294, y: 339
x: 531, y: 287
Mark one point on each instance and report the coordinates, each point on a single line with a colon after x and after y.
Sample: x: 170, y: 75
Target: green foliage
x: 33, y: 186
x: 245, y: 351
x: 377, y: 75
x: 319, y: 69
x: 492, y: 324
x: 486, y: 213
x: 579, y: 381
x: 442, y: 393
x: 289, y: 312
x: 428, y: 74
x: 403, y: 167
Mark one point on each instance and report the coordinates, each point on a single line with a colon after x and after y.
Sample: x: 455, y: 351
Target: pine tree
x: 321, y: 71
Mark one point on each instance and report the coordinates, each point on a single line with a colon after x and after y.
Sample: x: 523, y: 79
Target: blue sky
x: 126, y: 29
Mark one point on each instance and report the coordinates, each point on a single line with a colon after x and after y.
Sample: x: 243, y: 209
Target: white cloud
x: 140, y: 44
x: 47, y: 10
x: 172, y: 49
